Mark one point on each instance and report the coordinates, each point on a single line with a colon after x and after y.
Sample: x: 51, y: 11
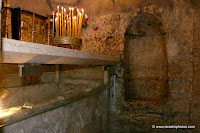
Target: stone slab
x: 15, y: 51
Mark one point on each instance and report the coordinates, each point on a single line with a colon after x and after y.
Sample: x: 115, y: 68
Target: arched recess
x: 145, y: 58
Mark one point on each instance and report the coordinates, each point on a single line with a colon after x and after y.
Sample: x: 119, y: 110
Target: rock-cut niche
x: 145, y: 59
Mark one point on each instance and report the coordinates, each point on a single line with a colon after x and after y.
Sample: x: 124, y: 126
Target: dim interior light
x: 9, y: 111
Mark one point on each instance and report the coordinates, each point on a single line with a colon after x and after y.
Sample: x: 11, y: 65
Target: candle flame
x: 56, y: 19
x: 58, y: 7
x: 53, y: 13
x: 62, y: 7
x: 72, y: 8
x: 82, y: 10
x: 59, y: 14
x: 74, y: 17
x: 79, y: 13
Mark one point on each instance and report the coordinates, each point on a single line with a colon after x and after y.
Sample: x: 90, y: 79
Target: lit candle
x: 75, y: 27
x: 62, y: 23
x: 53, y: 26
x: 70, y: 27
x: 65, y: 22
x: 58, y: 8
x: 80, y: 25
x: 70, y: 21
x: 77, y: 22
x: 57, y: 25
x: 65, y: 27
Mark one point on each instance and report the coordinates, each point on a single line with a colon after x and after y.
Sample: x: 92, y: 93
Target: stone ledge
x: 21, y: 52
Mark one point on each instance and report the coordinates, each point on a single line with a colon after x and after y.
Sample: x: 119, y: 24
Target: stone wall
x: 88, y: 115
x: 180, y: 24
x: 195, y: 107
x: 145, y: 59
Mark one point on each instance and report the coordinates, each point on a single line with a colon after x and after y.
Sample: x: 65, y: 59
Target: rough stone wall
x: 109, y: 38
x: 97, y: 8
x: 195, y: 107
x: 181, y: 107
x: 145, y: 72
x: 88, y: 115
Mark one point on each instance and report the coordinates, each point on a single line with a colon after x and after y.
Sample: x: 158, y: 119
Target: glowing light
x: 9, y: 111
x: 79, y: 13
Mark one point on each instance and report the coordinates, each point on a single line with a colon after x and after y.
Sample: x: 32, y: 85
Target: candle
x: 72, y: 22
x: 57, y: 25
x: 62, y: 23
x: 58, y: 18
x: 67, y: 25
x: 70, y: 27
x: 53, y: 26
x: 77, y: 22
x: 65, y: 22
x: 75, y: 27
x: 80, y: 25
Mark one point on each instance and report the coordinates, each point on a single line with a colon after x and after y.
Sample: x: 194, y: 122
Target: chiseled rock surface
x: 181, y: 106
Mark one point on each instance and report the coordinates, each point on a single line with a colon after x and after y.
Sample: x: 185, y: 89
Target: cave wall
x: 145, y: 59
x: 194, y: 104
x: 180, y: 21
